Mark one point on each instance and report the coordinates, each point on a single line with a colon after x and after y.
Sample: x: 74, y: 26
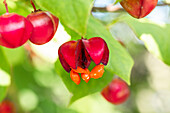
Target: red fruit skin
x: 139, y: 8
x: 68, y: 56
x: 116, y: 92
x: 7, y: 107
x: 97, y: 49
x: 15, y: 30
x: 45, y: 25
x: 80, y: 53
x: 84, y: 59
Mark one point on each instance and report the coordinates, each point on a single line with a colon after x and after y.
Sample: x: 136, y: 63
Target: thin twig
x: 118, y: 8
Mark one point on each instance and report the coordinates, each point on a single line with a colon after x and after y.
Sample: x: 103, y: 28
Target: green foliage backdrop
x: 77, y: 19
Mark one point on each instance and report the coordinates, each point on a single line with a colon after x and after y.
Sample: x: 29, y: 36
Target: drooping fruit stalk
x: 6, y: 6
x: 45, y: 25
x: 33, y: 5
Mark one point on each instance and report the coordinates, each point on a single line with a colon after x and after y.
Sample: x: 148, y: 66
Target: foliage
x: 27, y: 72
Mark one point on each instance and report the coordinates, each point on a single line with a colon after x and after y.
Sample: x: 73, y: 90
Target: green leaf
x: 15, y: 56
x: 155, y: 37
x: 3, y: 91
x: 4, y: 75
x: 117, y: 1
x: 5, y: 81
x: 3, y: 62
x: 83, y: 89
x: 72, y: 13
x: 48, y: 106
x: 120, y: 63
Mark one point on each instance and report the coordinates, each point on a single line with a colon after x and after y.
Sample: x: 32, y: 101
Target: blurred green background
x: 36, y: 88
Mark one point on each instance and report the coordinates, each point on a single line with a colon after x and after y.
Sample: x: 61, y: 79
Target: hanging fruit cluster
x: 76, y: 56
x: 15, y: 30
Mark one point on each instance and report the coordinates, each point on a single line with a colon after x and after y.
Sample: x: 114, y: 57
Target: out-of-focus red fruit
x: 139, y: 8
x: 15, y: 30
x: 7, y: 107
x: 44, y: 26
x: 116, y: 92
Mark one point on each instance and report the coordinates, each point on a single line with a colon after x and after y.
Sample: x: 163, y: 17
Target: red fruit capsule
x: 45, y: 25
x: 139, y: 8
x: 7, y: 107
x: 116, y: 92
x: 77, y: 55
x: 15, y: 30
x: 80, y: 53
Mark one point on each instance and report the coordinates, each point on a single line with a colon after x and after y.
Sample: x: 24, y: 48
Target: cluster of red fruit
x: 39, y: 27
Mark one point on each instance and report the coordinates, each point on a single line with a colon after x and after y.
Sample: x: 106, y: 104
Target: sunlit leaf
x: 3, y: 91
x: 4, y: 75
x: 5, y: 79
x: 72, y: 13
x: 120, y: 63
x: 155, y: 37
x: 83, y: 89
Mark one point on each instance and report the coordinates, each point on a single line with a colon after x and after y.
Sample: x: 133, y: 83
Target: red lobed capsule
x: 44, y: 26
x: 76, y: 56
x: 116, y: 92
x: 15, y: 30
x: 139, y: 8
x: 80, y: 53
